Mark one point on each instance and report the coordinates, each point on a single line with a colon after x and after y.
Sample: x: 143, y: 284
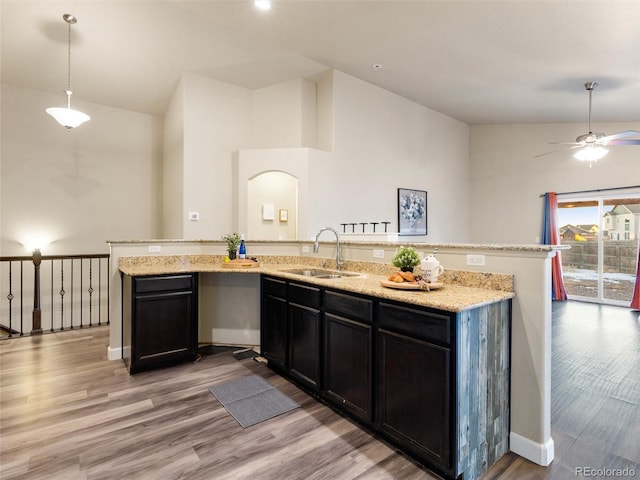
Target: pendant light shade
x: 67, y: 117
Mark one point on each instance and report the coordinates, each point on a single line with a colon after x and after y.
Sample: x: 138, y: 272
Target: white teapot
x: 431, y: 268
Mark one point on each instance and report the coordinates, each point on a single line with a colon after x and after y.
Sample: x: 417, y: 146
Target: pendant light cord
x: 69, y: 58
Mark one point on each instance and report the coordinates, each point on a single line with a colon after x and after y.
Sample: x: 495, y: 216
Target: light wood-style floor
x: 67, y: 412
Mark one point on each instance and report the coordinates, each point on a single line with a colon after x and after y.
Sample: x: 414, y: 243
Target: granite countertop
x: 461, y: 290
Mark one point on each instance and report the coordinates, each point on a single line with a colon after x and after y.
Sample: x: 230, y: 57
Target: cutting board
x: 411, y: 285
x: 237, y: 263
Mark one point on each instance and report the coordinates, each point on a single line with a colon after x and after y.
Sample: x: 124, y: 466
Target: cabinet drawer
x: 349, y: 306
x: 416, y: 323
x: 163, y: 283
x: 304, y: 295
x: 276, y: 288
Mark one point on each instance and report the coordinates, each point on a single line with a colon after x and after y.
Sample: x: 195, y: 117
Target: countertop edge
x: 365, y: 243
x: 451, y: 298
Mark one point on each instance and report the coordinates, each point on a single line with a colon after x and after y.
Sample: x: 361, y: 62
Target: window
x: 600, y: 266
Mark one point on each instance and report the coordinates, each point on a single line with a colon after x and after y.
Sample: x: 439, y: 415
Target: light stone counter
x: 461, y: 291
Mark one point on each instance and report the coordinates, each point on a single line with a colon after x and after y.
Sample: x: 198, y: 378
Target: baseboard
x: 114, y: 353
x: 540, y: 453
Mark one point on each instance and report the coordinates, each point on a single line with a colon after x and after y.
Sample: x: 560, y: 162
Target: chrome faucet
x: 316, y: 245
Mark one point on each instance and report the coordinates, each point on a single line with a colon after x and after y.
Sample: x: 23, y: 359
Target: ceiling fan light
x: 262, y: 4
x: 591, y: 153
x: 67, y: 117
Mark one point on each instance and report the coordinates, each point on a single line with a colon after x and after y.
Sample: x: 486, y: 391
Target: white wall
x: 382, y: 142
x: 217, y: 121
x: 284, y: 115
x: 173, y: 166
x: 507, y: 180
x: 324, y: 111
x: 73, y: 187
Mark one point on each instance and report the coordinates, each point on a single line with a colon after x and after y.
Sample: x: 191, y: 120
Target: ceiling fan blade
x: 624, y: 142
x: 559, y: 150
x: 615, y: 136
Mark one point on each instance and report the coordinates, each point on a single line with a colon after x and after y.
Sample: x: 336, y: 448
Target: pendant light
x: 67, y: 117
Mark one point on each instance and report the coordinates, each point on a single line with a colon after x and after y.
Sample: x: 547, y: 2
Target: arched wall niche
x: 287, y: 164
x: 272, y: 206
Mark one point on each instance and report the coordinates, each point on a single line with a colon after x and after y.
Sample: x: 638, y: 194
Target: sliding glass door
x: 602, y: 232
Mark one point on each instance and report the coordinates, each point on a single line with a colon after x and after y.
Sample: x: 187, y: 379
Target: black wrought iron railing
x: 47, y: 293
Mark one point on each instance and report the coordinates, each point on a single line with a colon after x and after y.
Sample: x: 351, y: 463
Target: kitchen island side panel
x: 483, y: 358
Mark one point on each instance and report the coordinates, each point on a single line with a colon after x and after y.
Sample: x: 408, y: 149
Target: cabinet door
x: 347, y: 374
x: 304, y: 344
x: 164, y: 329
x: 414, y: 395
x: 273, y: 331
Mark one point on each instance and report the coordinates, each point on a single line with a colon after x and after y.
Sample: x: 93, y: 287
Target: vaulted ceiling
x: 479, y: 61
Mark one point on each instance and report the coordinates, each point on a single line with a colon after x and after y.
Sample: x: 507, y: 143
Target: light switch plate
x: 194, y: 216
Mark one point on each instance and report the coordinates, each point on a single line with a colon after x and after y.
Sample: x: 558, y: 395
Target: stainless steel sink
x: 320, y: 273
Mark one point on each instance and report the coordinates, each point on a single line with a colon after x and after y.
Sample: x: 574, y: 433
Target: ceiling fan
x: 592, y: 144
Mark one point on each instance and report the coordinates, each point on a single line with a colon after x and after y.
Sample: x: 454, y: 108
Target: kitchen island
x: 426, y: 370
x: 529, y: 267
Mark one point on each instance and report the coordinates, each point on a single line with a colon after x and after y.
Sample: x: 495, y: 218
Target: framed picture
x: 283, y: 215
x: 412, y: 212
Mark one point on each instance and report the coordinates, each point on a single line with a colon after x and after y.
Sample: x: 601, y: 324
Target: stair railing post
x: 36, y: 325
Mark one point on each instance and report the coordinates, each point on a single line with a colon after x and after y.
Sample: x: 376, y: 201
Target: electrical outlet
x: 305, y: 249
x: 477, y: 260
x: 154, y: 248
x: 194, y: 216
x: 378, y: 254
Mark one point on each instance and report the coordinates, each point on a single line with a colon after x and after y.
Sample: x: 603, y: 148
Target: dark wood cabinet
x: 304, y: 334
x: 347, y: 350
x: 160, y: 323
x: 304, y: 344
x: 274, y: 315
x: 414, y: 385
x: 433, y: 383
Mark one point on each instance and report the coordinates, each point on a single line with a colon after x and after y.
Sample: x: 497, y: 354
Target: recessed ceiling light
x: 262, y: 4
x: 376, y: 66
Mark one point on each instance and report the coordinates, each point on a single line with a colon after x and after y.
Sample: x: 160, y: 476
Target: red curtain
x: 635, y: 301
x: 551, y: 236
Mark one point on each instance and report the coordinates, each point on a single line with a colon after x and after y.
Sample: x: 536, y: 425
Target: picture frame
x: 283, y: 215
x: 412, y: 212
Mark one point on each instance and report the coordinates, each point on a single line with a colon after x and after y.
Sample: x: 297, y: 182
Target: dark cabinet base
x: 304, y: 344
x: 159, y: 321
x: 415, y: 395
x: 434, y: 384
x: 347, y: 366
